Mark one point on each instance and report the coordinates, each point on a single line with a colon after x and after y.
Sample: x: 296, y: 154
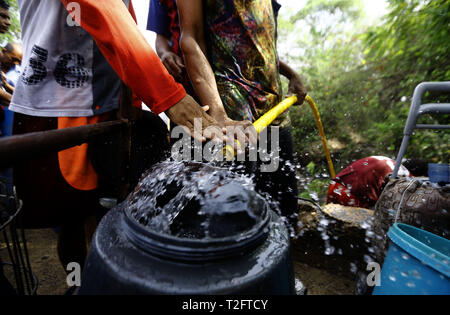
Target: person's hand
x: 4, y: 78
x: 296, y: 88
x: 174, y: 64
x: 237, y: 130
x: 5, y: 96
x: 184, y: 114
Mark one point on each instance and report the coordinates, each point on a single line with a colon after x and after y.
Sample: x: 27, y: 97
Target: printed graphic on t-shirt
x: 69, y: 71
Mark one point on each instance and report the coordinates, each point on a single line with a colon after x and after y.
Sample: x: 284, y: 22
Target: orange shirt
x: 74, y: 163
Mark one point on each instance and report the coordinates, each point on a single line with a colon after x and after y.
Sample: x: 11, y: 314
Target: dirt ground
x: 52, y: 276
x: 44, y: 261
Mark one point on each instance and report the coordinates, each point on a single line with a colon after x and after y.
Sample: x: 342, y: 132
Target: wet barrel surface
x: 204, y: 231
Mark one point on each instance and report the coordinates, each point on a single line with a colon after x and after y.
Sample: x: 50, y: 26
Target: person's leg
x: 71, y: 244
x: 73, y: 238
x: 36, y: 180
x: 48, y: 200
x: 282, y: 183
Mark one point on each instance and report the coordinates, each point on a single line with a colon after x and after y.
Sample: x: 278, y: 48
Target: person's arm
x: 5, y: 98
x: 8, y: 87
x: 158, y: 21
x: 128, y: 53
x: 199, y: 69
x: 173, y: 63
x: 135, y: 62
x: 295, y: 82
x: 193, y: 46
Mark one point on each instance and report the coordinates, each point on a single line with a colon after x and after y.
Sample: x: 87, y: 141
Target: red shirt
x: 361, y: 183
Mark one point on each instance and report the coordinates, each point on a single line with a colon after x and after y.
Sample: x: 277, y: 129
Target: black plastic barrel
x: 127, y: 257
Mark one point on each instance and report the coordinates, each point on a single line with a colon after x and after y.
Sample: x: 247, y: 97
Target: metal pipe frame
x: 21, y: 147
x: 417, y: 109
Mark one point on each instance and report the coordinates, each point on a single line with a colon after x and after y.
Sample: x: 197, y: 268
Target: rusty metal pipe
x: 22, y: 147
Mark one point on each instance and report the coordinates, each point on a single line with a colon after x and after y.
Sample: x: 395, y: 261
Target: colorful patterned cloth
x: 241, y: 39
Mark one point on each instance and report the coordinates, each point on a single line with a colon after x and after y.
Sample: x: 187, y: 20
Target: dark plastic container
x: 127, y: 258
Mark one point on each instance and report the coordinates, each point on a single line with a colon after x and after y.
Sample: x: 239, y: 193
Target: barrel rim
x: 193, y: 250
x: 400, y: 234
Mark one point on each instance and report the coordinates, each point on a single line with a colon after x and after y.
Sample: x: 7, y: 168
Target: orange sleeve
x: 128, y: 53
x: 136, y: 101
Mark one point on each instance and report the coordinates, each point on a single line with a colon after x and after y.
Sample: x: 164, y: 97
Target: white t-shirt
x: 64, y: 73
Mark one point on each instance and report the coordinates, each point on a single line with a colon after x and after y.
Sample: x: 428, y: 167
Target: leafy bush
x: 363, y: 77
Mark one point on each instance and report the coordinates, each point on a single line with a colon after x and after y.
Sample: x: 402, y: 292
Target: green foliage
x: 338, y: 11
x: 13, y: 35
x: 311, y: 167
x: 315, y: 190
x: 411, y: 47
x: 314, y: 183
x: 362, y: 77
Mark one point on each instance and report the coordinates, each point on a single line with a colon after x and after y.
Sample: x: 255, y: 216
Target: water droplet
x: 353, y: 268
x: 367, y: 259
x: 416, y: 274
x: 365, y: 225
x: 299, y: 287
x: 329, y: 251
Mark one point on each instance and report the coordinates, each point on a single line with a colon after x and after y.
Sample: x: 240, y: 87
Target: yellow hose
x: 272, y: 114
x: 311, y: 103
x: 265, y: 120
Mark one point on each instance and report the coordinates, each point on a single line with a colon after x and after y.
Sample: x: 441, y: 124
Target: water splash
x: 196, y: 200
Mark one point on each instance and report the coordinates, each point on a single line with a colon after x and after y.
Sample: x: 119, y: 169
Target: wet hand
x: 242, y: 131
x: 186, y: 112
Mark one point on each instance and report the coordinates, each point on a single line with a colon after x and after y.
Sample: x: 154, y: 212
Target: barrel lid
x: 195, y: 209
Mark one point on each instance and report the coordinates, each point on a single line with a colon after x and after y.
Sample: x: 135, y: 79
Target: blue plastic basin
x: 417, y: 263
